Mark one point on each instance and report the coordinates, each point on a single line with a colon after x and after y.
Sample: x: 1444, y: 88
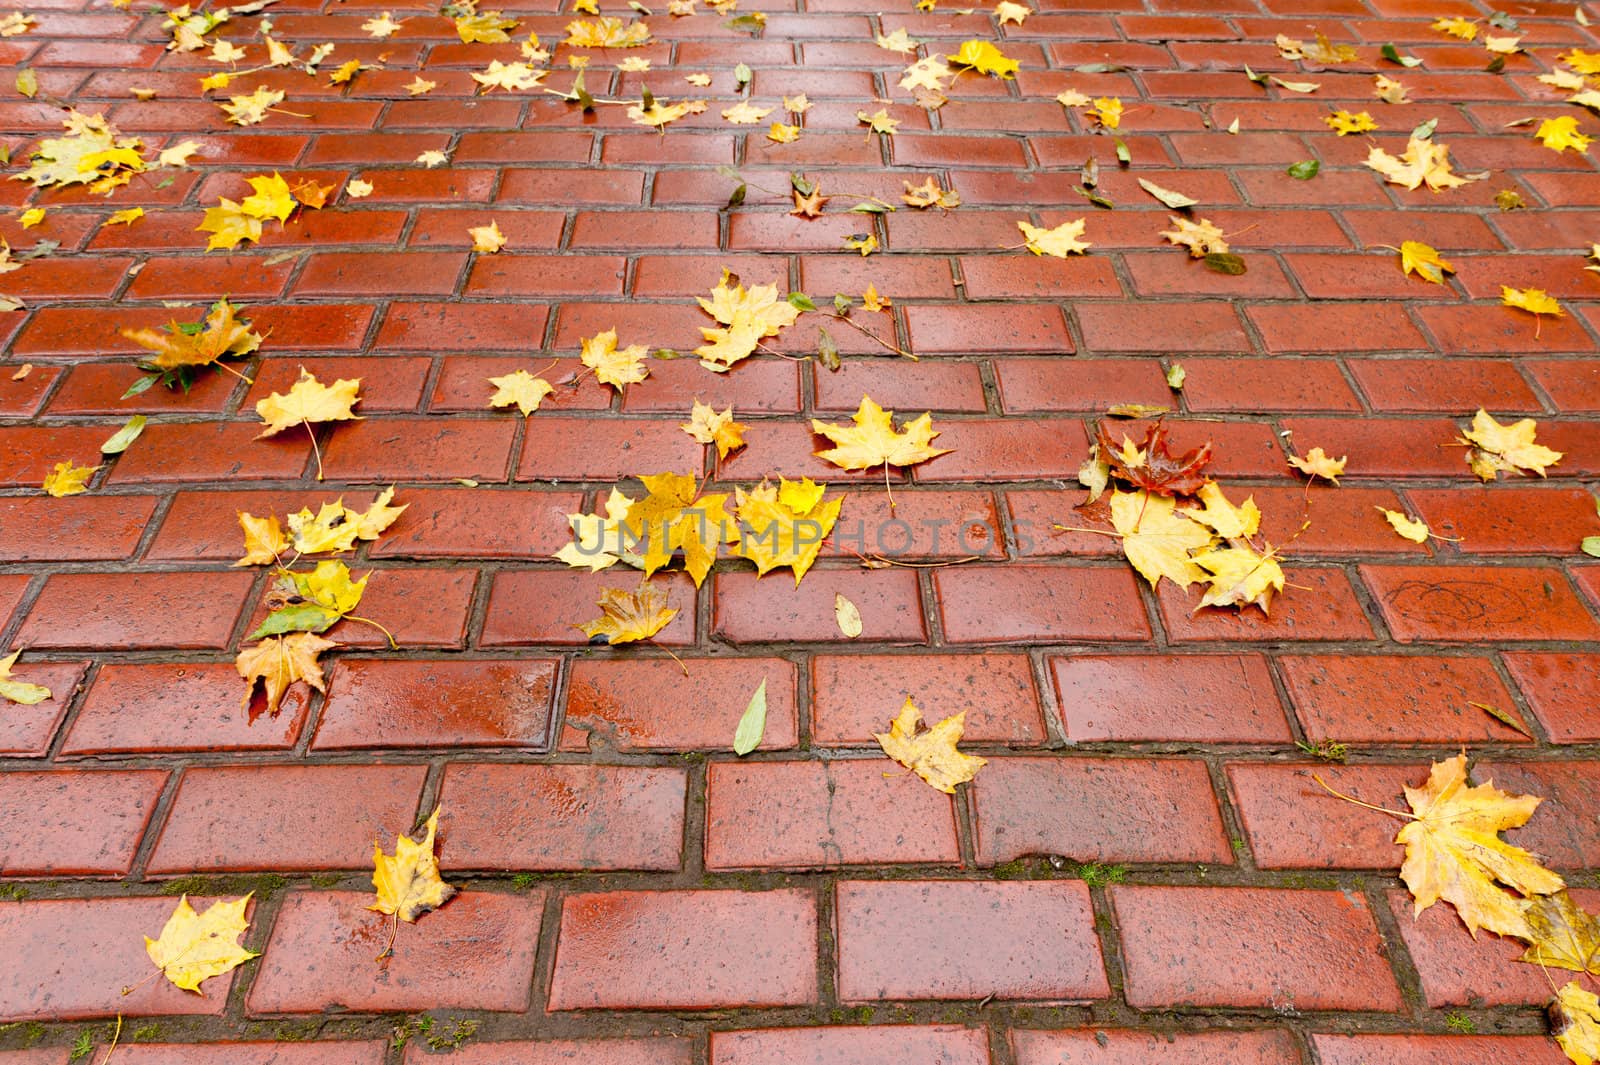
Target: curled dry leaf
x: 1494, y: 447
x: 1152, y: 466
x: 629, y: 616
x: 407, y: 883
x: 930, y: 753
x: 1318, y: 463
x: 17, y: 691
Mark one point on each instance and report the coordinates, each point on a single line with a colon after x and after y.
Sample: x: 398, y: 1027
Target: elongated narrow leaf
x: 1305, y: 171
x: 747, y: 737
x: 123, y: 437
x: 1175, y: 200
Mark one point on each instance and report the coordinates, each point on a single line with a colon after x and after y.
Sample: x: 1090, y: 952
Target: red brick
x: 1509, y: 520
x: 135, y: 709
x: 1385, y: 447
x: 476, y: 952
x: 1180, y: 946
x: 622, y: 706
x: 990, y: 450
x: 1189, y: 698
x: 546, y: 275
x: 1499, y: 330
x: 285, y: 817
x: 931, y: 385
x: 1100, y: 810
x: 990, y: 277
x: 561, y: 447
x: 1417, y: 385
x: 75, y: 823
x: 641, y: 950
x: 22, y: 399
x: 84, y: 279
x: 1161, y: 274
x: 922, y: 523
x: 968, y: 329
x: 1266, y: 385
x: 83, y: 952
x: 378, y: 704
x: 12, y: 587
x: 1432, y: 1049
x: 1396, y: 698
x: 159, y: 611
x: 387, y: 384
x: 417, y: 273
x: 1293, y: 823
x: 850, y: 1046
x: 81, y: 529
x: 26, y: 731
x: 557, y: 187
x: 331, y: 1052
x: 567, y: 599
x: 188, y: 277
x: 644, y: 1051
x: 1020, y: 940
x: 821, y: 815
x: 1316, y: 604
x: 1562, y: 690
x: 1079, y: 384
x: 1574, y: 384
x: 644, y: 229
x: 1051, y: 604
x: 916, y: 278
x: 1128, y: 1047
x: 173, y: 452
x: 478, y: 523
x: 28, y: 453
x: 418, y: 607
x: 1477, y: 603
x: 1566, y: 829
x: 1181, y: 327
x: 750, y: 609
x: 97, y: 388
x: 503, y: 817
x: 1293, y: 328
x: 460, y: 326
x: 853, y: 697
x: 393, y: 448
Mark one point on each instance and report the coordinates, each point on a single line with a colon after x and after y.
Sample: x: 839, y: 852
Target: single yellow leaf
x: 382, y: 26
x: 271, y: 198
x: 1586, y: 63
x: 68, y: 479
x: 698, y: 80
x: 487, y: 239
x: 1559, y: 134
x: 228, y: 225
x: 17, y: 691
x: 178, y: 154
x: 797, y: 105
x: 931, y: 753
x: 611, y: 366
x: 899, y: 41
x: 357, y: 189
x: 431, y: 159
x: 629, y: 616
x: 407, y: 883
x: 1297, y: 86
x: 1107, y: 111
x: 659, y: 113
x: 873, y: 441
x: 27, y: 82
x: 1007, y: 11
x: 865, y: 243
x: 1239, y: 576
x: 309, y: 401
x: 263, y: 540
x: 1424, y: 261
x: 783, y: 134
x: 1343, y: 122
x: 1465, y: 29
x: 599, y: 542
x: 487, y: 28
x: 929, y: 74
x: 1319, y: 464
x: 1202, y: 238
x: 1423, y: 161
x: 1072, y: 98
x: 1157, y: 539
x: 1389, y: 90
x: 1532, y: 300
x: 125, y: 217
x: 1503, y: 45
x: 508, y: 76
x: 249, y: 110
x: 786, y: 525
x: 1411, y: 529
x: 871, y: 301
x: 985, y: 58
x: 607, y: 32
x: 744, y: 113
x: 223, y: 334
x: 634, y: 64
x: 194, y: 947
x: 419, y: 86
x: 847, y: 616
x: 930, y: 194
x: 16, y: 23
x: 1576, y: 1024
x: 1495, y: 447
x: 709, y: 427
x: 1059, y: 242
x: 1454, y: 851
x: 879, y: 122
x: 1563, y: 935
x: 520, y: 388
x: 1218, y: 513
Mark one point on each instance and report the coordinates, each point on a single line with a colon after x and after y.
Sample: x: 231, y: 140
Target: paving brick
x: 414, y: 450
x: 1477, y: 603
x: 137, y: 709
x: 1127, y: 1047
x: 1512, y: 521
x: 1080, y: 384
x: 647, y: 1051
x: 850, y: 1046
x: 1293, y: 823
x: 855, y: 696
x: 85, y: 951
x: 1020, y: 940
x: 285, y: 817
x: 75, y: 823
x: 164, y: 611
x: 750, y: 609
x: 1435, y: 1049
x: 455, y: 523
x: 1396, y: 698
x: 1180, y: 947
x: 1564, y: 829
x: 332, y: 1052
x: 26, y: 731
x: 569, y: 598
x: 1097, y: 810
x: 178, y: 452
x: 1194, y: 698
x: 1043, y: 604
x: 626, y: 706
x: 377, y: 704
x: 555, y: 817
x: 1316, y: 604
x: 475, y: 952
x: 821, y: 815
x: 1561, y: 690
x: 643, y: 950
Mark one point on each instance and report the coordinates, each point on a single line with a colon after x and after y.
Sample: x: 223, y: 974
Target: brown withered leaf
x: 1151, y: 466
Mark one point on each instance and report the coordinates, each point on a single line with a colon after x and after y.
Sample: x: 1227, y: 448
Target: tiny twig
x: 1358, y: 802
x: 116, y: 1036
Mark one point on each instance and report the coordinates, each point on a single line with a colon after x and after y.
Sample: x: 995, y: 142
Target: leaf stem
x: 1365, y: 805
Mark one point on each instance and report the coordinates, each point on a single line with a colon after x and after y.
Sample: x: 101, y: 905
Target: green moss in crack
x: 82, y: 1047
x: 13, y: 892
x: 1096, y: 875
x: 524, y: 881
x: 1460, y: 1023
x: 146, y: 1033
x: 1327, y: 750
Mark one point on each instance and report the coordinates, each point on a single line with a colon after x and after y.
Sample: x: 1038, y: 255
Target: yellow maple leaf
x: 228, y: 225
x: 611, y: 366
x: 1239, y: 576
x: 659, y: 113
x: 520, y: 388
x: 865, y: 243
x: 487, y: 239
x: 873, y: 441
x: 744, y: 113
x: 1465, y: 29
x: 1587, y: 63
x: 871, y: 301
x: 928, y: 74
x: 1495, y: 447
x: 899, y: 41
x: 607, y: 32
x: 271, y: 198
x: 309, y: 401
x: 226, y: 52
x: 698, y: 80
x: 1562, y: 934
x: 1007, y: 11
x: 193, y: 947
x: 223, y: 334
x: 780, y: 133
x: 1424, y: 261
x: 797, y: 105
x: 599, y: 542
x: 126, y: 217
x: 1343, y: 122
x: 1157, y: 539
x: 985, y: 58
x: 1072, y: 98
x: 785, y: 525
x: 68, y: 479
x: 930, y: 194
x: 879, y: 122
x: 1559, y: 134
x: 1318, y: 463
x: 249, y: 110
x: 1454, y: 851
x: 1218, y: 513
x: 931, y: 753
x: 17, y: 691
x: 1503, y: 45
x: 178, y: 154
x: 357, y: 189
x: 16, y: 23
x: 708, y: 426
x: 1202, y: 238
x: 407, y: 884
x: 634, y: 64
x: 1107, y: 111
x: 1423, y: 161
x: 1576, y: 1024
x: 432, y: 158
x: 1533, y: 300
x: 508, y: 76
x: 487, y: 28
x: 1060, y: 241
x: 1412, y: 529
x: 419, y: 86
x: 263, y: 540
x: 1389, y: 90
x: 382, y: 26
x: 626, y: 617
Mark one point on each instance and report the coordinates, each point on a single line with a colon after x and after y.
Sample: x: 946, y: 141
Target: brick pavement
x: 1143, y: 872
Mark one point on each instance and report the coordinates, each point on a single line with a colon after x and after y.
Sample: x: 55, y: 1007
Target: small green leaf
x: 1124, y: 156
x: 123, y: 437
x: 745, y: 23
x: 741, y: 75
x: 842, y: 303
x: 1502, y: 21
x: 1176, y: 375
x: 1225, y: 263
x: 1591, y: 546
x: 870, y: 208
x: 1095, y: 198
x: 666, y: 353
x: 747, y: 737
x: 1425, y: 130
x: 736, y: 197
x: 1392, y: 54
x: 801, y: 185
x: 1304, y: 170
x: 800, y: 301
x: 300, y: 617
x: 141, y: 385
x: 1496, y: 65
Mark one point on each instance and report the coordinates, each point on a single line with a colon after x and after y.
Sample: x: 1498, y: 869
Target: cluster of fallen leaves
x: 1455, y: 853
